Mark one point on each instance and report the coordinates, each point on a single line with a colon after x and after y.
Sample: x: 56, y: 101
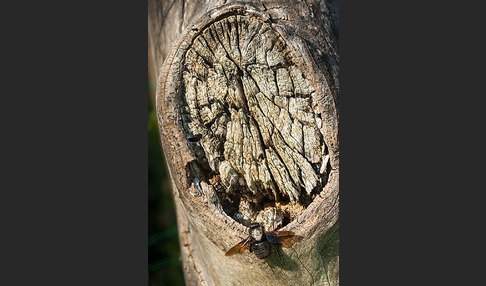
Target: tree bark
x: 247, y: 103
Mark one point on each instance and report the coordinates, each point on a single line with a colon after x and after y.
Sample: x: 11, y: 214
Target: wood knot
x: 249, y: 115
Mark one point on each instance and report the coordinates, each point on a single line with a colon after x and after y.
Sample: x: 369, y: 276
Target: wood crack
x: 250, y: 110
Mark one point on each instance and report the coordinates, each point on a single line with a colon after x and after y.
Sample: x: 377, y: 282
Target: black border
x: 406, y: 114
x: 75, y: 151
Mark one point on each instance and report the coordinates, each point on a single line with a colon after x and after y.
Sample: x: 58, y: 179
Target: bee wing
x: 286, y: 238
x: 240, y: 248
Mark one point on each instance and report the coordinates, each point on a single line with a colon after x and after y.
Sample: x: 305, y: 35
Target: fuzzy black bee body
x: 261, y: 249
x: 260, y: 242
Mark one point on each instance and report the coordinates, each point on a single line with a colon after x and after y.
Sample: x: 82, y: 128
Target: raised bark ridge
x: 249, y: 113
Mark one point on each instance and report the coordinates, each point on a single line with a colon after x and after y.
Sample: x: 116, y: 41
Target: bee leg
x: 271, y: 268
x: 278, y: 249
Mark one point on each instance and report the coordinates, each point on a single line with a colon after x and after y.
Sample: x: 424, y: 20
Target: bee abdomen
x: 261, y: 249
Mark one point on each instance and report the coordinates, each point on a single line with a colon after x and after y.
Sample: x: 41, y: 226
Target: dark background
x: 164, y: 265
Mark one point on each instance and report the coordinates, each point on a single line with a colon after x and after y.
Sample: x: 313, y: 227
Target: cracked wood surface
x: 247, y: 106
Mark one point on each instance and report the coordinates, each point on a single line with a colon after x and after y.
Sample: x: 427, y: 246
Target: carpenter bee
x: 260, y: 242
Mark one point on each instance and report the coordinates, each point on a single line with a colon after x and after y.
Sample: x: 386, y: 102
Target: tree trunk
x: 248, y: 115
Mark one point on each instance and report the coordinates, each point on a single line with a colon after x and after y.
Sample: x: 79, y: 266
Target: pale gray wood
x: 247, y: 107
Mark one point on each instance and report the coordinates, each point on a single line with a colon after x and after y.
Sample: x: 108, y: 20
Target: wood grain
x: 247, y: 107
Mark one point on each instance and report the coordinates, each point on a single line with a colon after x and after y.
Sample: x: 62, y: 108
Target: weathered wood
x: 247, y: 108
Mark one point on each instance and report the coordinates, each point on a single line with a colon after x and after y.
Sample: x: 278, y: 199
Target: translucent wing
x: 286, y: 238
x: 240, y: 248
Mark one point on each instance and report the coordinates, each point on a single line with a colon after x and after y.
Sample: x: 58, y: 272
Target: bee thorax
x: 257, y: 233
